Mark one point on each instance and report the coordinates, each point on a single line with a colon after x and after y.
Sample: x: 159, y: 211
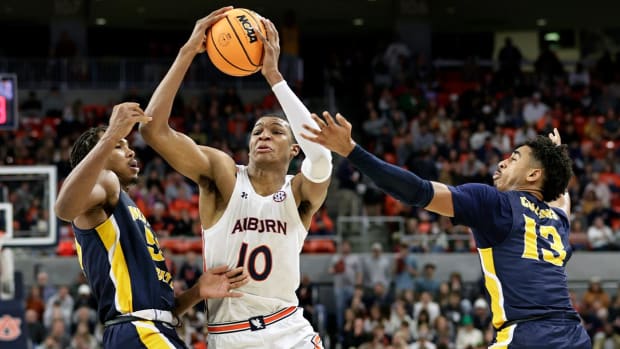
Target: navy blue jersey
x: 123, y: 263
x: 523, y: 246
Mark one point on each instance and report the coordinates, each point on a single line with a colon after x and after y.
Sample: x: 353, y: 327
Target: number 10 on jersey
x: 261, y: 250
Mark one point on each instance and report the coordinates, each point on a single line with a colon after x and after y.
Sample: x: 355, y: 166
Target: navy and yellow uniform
x: 126, y: 272
x: 523, y: 247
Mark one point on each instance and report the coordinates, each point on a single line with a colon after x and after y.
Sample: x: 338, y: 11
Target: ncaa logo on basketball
x: 247, y: 26
x: 279, y: 196
x: 10, y: 328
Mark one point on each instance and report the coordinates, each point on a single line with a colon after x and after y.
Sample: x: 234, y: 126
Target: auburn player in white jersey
x: 254, y: 216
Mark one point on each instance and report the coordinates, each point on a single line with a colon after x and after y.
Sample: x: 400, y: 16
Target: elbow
x: 62, y: 213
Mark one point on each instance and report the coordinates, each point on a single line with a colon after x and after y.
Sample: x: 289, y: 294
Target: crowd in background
x: 449, y: 125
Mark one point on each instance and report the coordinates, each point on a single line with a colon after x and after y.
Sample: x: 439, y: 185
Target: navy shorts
x: 543, y: 334
x: 142, y: 334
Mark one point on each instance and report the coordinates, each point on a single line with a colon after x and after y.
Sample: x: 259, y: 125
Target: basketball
x: 233, y: 44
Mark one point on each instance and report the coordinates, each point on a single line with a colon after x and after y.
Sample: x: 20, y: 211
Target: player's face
x: 271, y: 140
x: 512, y: 172
x: 123, y: 162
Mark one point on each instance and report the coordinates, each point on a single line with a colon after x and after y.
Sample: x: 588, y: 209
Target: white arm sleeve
x: 317, y: 166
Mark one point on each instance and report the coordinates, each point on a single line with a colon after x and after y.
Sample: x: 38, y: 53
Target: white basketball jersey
x: 265, y: 235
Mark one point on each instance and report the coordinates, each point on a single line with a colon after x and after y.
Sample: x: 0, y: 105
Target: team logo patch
x: 10, y: 328
x: 279, y: 196
x: 257, y: 323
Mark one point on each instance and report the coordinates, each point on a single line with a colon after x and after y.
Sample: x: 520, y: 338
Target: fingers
x: 234, y: 294
x: 234, y: 272
x: 328, y: 118
x: 342, y: 121
x: 220, y: 269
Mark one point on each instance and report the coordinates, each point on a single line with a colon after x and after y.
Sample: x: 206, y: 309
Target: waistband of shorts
x: 253, y: 324
x: 551, y: 315
x: 146, y: 315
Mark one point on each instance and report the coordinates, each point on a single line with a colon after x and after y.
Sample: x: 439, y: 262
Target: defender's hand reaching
x: 217, y: 282
x: 334, y: 135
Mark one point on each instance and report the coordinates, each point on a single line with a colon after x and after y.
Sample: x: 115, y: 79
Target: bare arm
x: 89, y: 184
x: 216, y: 282
x: 180, y: 151
x: 316, y: 169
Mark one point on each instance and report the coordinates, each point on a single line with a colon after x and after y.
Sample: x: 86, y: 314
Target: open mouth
x: 134, y: 164
x: 496, y: 175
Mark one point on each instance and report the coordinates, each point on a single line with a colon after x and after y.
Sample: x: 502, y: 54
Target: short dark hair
x: 281, y: 117
x: 557, y: 166
x: 85, y: 143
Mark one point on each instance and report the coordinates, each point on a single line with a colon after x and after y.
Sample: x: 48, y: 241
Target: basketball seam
x: 242, y: 46
x: 256, y: 27
x: 220, y: 52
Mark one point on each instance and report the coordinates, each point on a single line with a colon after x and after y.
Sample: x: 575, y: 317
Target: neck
x: 534, y: 191
x: 266, y: 180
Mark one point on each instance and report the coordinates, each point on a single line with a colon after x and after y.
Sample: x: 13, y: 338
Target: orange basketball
x: 233, y: 44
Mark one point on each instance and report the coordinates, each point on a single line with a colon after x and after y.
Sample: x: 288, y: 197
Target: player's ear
x: 534, y: 174
x: 294, y: 150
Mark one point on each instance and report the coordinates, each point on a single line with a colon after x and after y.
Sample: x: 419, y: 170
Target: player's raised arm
x: 180, y: 151
x: 563, y: 201
x: 89, y: 184
x: 317, y: 165
x: 335, y: 135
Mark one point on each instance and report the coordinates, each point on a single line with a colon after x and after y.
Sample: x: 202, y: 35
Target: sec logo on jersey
x: 279, y: 196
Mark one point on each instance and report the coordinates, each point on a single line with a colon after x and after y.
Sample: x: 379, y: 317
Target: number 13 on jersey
x: 550, y: 235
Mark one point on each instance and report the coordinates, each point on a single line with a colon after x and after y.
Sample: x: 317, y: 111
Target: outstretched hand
x: 334, y: 135
x: 197, y: 40
x: 271, y: 47
x: 124, y: 117
x: 218, y: 282
x: 555, y: 137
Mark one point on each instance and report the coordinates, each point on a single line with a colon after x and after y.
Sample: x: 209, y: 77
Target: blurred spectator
x: 580, y: 78
x: 427, y: 304
x: 305, y: 294
x: 291, y: 64
x: 347, y: 271
x: 427, y: 282
x: 354, y: 334
x: 481, y: 314
x: 534, y: 109
x: 376, y: 268
x: 600, y: 236
x: 400, y: 320
x: 35, y: 302
x: 83, y: 338
x: 31, y: 106
x: 595, y: 293
x: 46, y: 290
x: 467, y: 335
x: 190, y: 271
x: 547, y: 65
x: 84, y: 298
x: 509, y: 58
x: 424, y: 339
x: 58, y: 331
x: 36, y: 331
x: 54, y: 103
x: 600, y: 188
x: 349, y: 202
x: 405, y: 269
x: 321, y: 223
